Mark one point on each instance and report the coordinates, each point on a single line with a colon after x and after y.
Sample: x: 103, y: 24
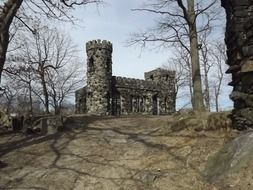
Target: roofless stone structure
x: 112, y: 95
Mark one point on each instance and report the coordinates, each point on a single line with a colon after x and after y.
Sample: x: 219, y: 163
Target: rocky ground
x: 133, y: 153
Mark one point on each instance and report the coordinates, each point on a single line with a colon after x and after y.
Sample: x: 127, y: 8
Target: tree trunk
x: 216, y: 100
x: 57, y: 110
x: 30, y: 98
x: 56, y: 106
x: 198, y: 104
x: 206, y: 81
x: 45, y: 93
x: 190, y: 90
x: 207, y: 94
x: 217, y: 92
x: 9, y: 10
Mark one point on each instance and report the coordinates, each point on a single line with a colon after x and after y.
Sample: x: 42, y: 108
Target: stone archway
x: 239, y: 41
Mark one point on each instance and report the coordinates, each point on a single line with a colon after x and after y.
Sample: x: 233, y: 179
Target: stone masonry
x: 239, y: 40
x: 111, y: 95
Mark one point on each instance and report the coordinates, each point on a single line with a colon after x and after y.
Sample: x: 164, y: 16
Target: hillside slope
x: 135, y: 153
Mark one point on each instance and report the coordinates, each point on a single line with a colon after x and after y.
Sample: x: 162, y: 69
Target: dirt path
x: 138, y: 153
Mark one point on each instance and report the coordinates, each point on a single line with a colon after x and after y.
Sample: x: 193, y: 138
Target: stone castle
x: 105, y: 94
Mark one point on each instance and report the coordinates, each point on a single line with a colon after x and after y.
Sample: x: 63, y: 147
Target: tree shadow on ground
x: 26, y: 140
x: 141, y: 178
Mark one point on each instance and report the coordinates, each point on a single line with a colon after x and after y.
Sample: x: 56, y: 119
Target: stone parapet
x: 96, y: 44
x: 160, y: 72
x: 131, y: 83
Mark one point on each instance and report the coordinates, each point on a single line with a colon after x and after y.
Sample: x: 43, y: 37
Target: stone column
x: 239, y: 40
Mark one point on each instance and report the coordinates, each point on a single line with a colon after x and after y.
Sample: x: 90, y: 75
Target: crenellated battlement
x: 132, y: 83
x: 160, y: 72
x: 161, y: 75
x: 113, y: 95
x: 96, y: 44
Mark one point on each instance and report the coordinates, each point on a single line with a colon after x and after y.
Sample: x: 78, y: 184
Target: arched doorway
x: 155, y: 105
x: 116, y: 104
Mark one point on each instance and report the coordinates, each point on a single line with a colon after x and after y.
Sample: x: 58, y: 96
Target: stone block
x: 247, y: 66
x: 4, y: 120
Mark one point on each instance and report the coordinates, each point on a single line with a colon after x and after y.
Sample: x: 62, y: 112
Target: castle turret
x: 165, y: 79
x: 160, y: 75
x: 99, y: 75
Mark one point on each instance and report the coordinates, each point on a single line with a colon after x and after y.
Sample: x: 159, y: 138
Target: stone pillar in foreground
x: 239, y: 40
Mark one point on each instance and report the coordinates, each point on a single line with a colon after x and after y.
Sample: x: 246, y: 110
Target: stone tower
x: 99, y: 76
x: 166, y: 100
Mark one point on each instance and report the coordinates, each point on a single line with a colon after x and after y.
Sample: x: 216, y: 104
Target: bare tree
x: 23, y: 10
x: 63, y: 84
x: 180, y: 24
x: 48, y: 51
x: 23, y: 75
x: 8, y: 11
x: 206, y: 64
x: 46, y: 65
x: 219, y: 58
x: 9, y: 94
x: 180, y: 62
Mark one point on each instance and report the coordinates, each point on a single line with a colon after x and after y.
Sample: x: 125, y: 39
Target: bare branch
x: 159, y: 12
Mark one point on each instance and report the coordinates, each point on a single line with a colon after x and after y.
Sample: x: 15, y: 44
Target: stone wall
x: 137, y: 84
x: 239, y: 40
x: 165, y: 79
x: 134, y: 95
x: 80, y: 97
x: 150, y: 96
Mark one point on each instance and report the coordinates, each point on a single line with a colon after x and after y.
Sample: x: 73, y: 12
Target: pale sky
x: 114, y: 22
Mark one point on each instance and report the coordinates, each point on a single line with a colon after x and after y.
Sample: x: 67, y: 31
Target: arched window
x: 91, y: 65
x: 167, y: 77
x: 108, y: 65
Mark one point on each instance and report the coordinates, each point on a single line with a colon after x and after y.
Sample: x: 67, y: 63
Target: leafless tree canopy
x: 47, y: 66
x: 25, y: 11
x: 172, y: 25
x: 180, y: 24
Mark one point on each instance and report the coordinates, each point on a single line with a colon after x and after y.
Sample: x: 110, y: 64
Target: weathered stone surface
x: 202, y: 121
x: 239, y: 40
x: 232, y: 160
x: 247, y: 66
x: 111, y: 95
x: 4, y: 120
x: 80, y: 104
x: 240, y: 96
x: 125, y: 153
x: 46, y: 125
